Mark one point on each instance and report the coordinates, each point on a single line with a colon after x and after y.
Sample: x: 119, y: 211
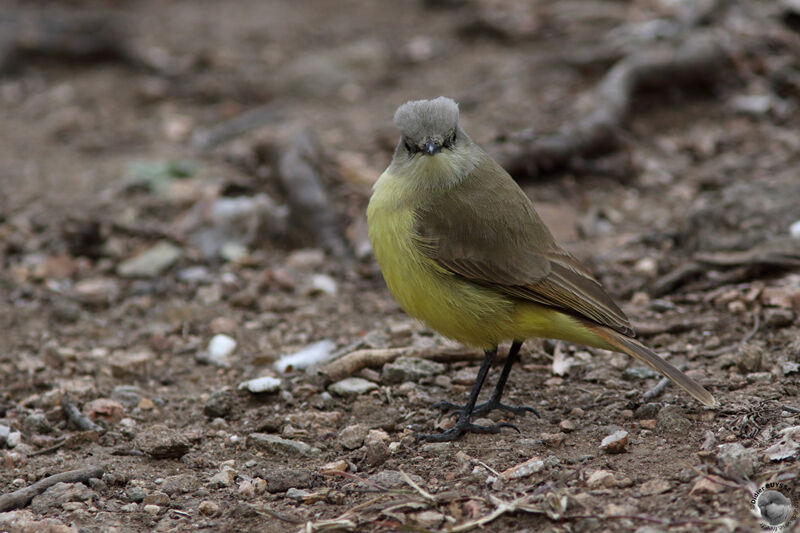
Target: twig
x: 422, y: 492
x: 353, y: 362
x: 310, y: 204
x: 75, y: 417
x: 656, y: 391
x: 55, y: 447
x: 490, y: 469
x: 22, y: 497
x: 697, y: 59
x: 790, y: 409
x: 750, y: 334
x: 675, y: 278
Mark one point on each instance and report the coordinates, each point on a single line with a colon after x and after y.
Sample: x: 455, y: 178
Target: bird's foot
x: 464, y: 426
x: 485, y: 407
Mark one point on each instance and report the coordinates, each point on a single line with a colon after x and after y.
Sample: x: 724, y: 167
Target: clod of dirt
x: 219, y: 405
x: 376, y: 446
x: 670, y: 421
x: 160, y: 442
x: 405, y: 369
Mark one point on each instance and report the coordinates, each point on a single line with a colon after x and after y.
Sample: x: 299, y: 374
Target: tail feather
x: 644, y: 354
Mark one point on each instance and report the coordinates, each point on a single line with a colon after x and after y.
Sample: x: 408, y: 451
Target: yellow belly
x: 459, y: 309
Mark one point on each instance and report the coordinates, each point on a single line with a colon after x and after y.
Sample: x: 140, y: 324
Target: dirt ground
x: 110, y: 150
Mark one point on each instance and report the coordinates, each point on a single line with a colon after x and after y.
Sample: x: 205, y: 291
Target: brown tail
x: 644, y: 354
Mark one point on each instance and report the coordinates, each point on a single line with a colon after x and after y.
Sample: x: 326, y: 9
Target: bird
x: 462, y: 249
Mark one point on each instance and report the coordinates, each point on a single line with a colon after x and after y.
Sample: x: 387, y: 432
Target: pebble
x: 278, y: 445
x: 528, y: 468
x: 105, y: 409
x: 36, y: 423
x: 601, y: 479
x: 128, y: 395
x: 262, y: 385
x: 156, y: 497
x: 219, y: 404
x: 393, y: 478
x: 429, y: 519
x: 794, y: 229
x: 567, y: 426
x: 553, y: 439
x: 298, y: 494
x: 220, y: 347
x: 96, y: 291
x: 208, y: 508
x: 5, y: 431
x: 776, y: 317
x: 323, y: 284
x: 25, y: 521
x: 405, y: 369
x: 634, y: 373
x: 654, y: 486
x: 617, y: 442
x: 160, y: 442
x: 647, y: 411
x: 736, y: 461
x: 13, y: 439
x: 337, y: 466
x: 377, y: 448
x: 225, y: 478
x: 437, y: 447
x: 125, y: 365
x: 194, y: 274
x: 748, y: 357
x: 152, y: 509
x: 59, y: 494
x: 352, y: 437
x: 648, y: 423
x: 787, y: 447
x: 150, y: 263
x: 283, y: 479
x: 349, y: 387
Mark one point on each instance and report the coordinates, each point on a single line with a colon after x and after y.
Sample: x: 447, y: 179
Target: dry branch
x: 698, y: 59
x: 22, y: 497
x: 351, y: 363
x: 310, y: 204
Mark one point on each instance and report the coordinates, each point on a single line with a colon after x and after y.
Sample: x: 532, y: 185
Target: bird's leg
x: 463, y: 425
x: 494, y: 401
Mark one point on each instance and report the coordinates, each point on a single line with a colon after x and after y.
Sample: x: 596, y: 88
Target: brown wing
x: 488, y: 232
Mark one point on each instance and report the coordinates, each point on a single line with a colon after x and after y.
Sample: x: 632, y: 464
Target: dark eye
x: 411, y: 149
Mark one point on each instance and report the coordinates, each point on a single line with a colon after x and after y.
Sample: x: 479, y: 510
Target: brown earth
x: 92, y: 164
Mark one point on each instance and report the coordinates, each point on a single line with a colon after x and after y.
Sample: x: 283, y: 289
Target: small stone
x: 150, y: 263
x: 709, y: 484
x: 160, y: 442
x: 376, y: 445
x: 438, y: 448
x: 126, y: 365
x: 298, y: 494
x: 349, y: 387
x: 35, y: 423
x: 157, y: 497
x: 323, y: 284
x: 410, y: 369
x: 219, y: 404
x: 429, y: 519
x: 208, y: 508
x: 225, y: 478
x: 128, y: 395
x: 647, y: 410
x: 577, y: 412
x: 528, y: 468
x: 776, y: 317
x: 567, y: 426
x: 655, y: 486
x: 393, y: 478
x: 748, y: 358
x: 5, y: 431
x: 648, y: 423
x: 617, y: 442
x: 152, y: 509
x: 220, y: 347
x: 601, y: 479
x: 787, y: 447
x: 353, y: 436
x: 278, y: 445
x: 262, y: 385
x: 307, y: 259
x: 670, y: 421
x: 283, y: 479
x: 96, y: 291
x: 794, y: 229
x: 336, y: 466
x: 59, y: 494
x: 13, y: 439
x: 105, y: 409
x: 146, y: 404
x: 553, y: 440
x: 646, y: 266
x: 736, y: 461
x: 247, y: 489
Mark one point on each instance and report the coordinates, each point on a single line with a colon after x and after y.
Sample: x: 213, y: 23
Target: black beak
x: 431, y: 147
